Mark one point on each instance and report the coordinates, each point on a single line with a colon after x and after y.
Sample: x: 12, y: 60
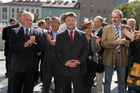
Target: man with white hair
x: 24, y: 62
x: 115, y: 47
x: 132, y: 23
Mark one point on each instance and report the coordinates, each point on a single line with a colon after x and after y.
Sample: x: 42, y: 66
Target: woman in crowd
x: 87, y: 27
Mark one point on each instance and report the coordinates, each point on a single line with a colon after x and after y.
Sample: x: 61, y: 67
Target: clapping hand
x: 30, y: 42
x: 129, y: 34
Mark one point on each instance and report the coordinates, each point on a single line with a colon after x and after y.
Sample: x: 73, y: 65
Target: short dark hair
x: 41, y: 22
x: 47, y: 18
x: 12, y: 19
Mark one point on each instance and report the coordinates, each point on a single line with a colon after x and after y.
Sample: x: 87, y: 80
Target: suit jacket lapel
x: 67, y: 37
x: 113, y: 32
x: 122, y: 34
x: 76, y: 35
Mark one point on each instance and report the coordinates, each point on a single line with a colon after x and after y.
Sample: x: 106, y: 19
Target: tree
x: 36, y: 18
x: 131, y: 10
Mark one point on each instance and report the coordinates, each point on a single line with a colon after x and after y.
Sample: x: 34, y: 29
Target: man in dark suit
x: 6, y: 36
x: 24, y: 62
x: 49, y: 65
x: 6, y: 48
x: 72, y: 52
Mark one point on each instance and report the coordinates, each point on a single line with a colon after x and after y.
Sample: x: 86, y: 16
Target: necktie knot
x: 71, y: 32
x: 27, y: 30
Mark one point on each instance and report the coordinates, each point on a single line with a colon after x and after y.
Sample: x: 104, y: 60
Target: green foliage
x: 36, y: 18
x: 131, y: 10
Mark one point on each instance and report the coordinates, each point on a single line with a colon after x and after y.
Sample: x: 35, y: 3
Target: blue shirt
x: 54, y: 35
x: 29, y: 30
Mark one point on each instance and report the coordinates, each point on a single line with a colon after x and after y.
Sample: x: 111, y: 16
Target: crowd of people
x: 58, y: 49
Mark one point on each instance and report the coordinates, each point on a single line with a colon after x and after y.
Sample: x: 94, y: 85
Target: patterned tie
x: 117, y: 36
x: 71, y: 37
x: 26, y: 35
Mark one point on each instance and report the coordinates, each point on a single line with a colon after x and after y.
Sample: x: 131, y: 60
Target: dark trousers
x: 21, y: 82
x: 47, y: 77
x: 77, y: 84
x: 88, y: 82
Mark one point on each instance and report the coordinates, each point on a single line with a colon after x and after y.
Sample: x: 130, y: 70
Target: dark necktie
x: 26, y: 35
x: 71, y: 37
x: 117, y: 36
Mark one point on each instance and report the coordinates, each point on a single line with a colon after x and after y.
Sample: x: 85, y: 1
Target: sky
x: 46, y: 0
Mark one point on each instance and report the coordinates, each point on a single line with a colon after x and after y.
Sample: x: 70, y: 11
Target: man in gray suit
x: 72, y: 52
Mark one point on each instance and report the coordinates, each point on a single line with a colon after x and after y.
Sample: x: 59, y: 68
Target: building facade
x: 51, y: 9
x: 91, y: 8
x: 11, y: 9
x: 118, y: 2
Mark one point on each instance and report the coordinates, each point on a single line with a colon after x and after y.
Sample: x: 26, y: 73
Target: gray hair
x: 119, y: 12
x: 131, y: 20
x: 27, y: 13
x: 99, y: 17
x: 56, y: 18
x: 21, y: 12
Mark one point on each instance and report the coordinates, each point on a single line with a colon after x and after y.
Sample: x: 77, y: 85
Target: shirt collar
x: 71, y: 30
x: 29, y: 29
x: 119, y: 26
x: 55, y: 32
x: 98, y: 30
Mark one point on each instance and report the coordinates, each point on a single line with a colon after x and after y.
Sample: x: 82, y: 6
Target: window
x: 17, y: 10
x: 5, y: 16
x: 91, y: 5
x: 98, y: 11
x: 91, y: 11
x: 13, y: 10
x: 32, y: 10
x: 84, y: 11
x: 2, y: 16
x: 13, y: 15
x: 84, y: 5
x: 37, y: 11
x: 104, y: 11
x: 4, y: 9
x: 27, y: 9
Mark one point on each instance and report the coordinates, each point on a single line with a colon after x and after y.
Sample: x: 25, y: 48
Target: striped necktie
x: 117, y: 36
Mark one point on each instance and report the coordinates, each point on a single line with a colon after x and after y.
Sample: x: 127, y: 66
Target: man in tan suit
x: 115, y: 53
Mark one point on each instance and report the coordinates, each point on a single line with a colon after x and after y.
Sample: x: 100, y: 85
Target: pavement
x: 37, y: 88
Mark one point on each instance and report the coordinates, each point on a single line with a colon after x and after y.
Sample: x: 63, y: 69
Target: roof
x: 62, y: 4
x: 23, y: 3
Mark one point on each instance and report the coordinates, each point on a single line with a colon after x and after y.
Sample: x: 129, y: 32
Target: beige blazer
x: 110, y: 50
